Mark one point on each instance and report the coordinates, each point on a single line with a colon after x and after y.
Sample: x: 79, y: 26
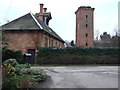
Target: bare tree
x: 116, y: 31
x: 116, y: 38
x: 96, y: 34
x: 5, y: 41
x: 37, y: 36
x: 115, y: 41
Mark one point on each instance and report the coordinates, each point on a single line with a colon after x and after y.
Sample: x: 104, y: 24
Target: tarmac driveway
x: 80, y: 77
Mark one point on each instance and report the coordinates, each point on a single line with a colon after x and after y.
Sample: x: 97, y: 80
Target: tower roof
x: 85, y: 8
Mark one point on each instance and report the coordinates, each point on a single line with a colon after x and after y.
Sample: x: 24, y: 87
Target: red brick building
x: 84, y: 26
x: 30, y: 31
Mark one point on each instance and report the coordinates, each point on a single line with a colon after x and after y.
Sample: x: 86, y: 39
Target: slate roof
x: 30, y: 22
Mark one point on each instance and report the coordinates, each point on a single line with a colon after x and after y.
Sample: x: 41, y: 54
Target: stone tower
x: 84, y: 26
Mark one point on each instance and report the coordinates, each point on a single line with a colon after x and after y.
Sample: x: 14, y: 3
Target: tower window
x: 86, y: 44
x: 86, y: 35
x: 86, y: 25
x: 86, y: 16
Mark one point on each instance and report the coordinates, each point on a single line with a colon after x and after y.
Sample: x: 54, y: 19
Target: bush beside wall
x: 77, y: 55
x: 8, y: 54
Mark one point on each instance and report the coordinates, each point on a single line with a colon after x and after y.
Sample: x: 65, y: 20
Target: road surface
x: 80, y: 77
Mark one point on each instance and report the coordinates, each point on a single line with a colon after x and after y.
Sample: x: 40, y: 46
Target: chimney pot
x: 41, y: 8
x: 45, y: 9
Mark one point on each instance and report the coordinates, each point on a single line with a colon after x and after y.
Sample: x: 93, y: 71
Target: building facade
x: 85, y: 26
x: 30, y: 31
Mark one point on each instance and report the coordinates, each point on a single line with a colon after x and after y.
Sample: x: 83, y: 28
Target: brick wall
x: 84, y: 27
x: 24, y: 40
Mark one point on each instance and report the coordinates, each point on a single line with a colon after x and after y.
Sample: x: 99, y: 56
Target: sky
x: 63, y: 20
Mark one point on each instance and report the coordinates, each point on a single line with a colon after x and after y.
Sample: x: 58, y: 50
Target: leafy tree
x: 72, y: 43
x: 105, y: 39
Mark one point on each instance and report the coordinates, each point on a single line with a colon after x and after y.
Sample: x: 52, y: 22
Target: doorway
x: 32, y: 59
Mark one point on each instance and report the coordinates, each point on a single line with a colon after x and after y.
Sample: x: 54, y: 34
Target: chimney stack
x: 43, y: 15
x: 41, y: 8
x: 45, y: 9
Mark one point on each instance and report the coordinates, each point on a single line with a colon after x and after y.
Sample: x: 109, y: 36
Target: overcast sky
x: 63, y: 14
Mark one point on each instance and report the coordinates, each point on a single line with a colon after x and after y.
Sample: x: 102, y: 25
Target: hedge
x: 8, y: 54
x: 77, y: 55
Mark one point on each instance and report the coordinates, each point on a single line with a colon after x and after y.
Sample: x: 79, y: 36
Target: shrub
x: 20, y: 75
x: 19, y: 67
x: 15, y: 82
x: 7, y: 71
x: 12, y: 62
x: 26, y: 71
x: 39, y: 75
x: 8, y: 54
x: 77, y: 55
x: 36, y: 75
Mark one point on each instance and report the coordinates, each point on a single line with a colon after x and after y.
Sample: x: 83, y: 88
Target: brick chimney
x: 45, y: 10
x: 41, y: 8
x: 43, y: 15
x: 41, y: 12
